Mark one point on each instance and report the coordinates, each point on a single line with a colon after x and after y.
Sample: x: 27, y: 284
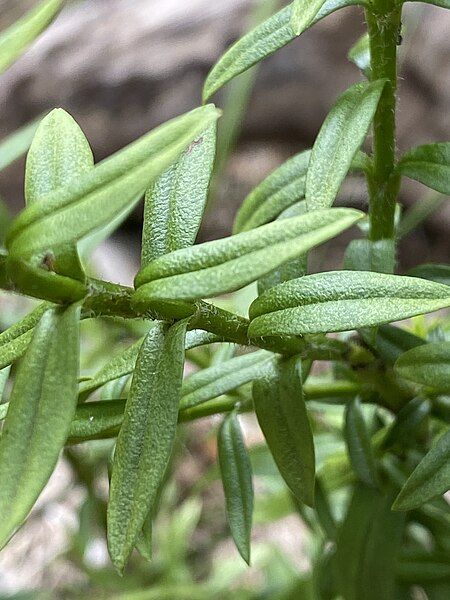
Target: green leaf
x: 368, y: 255
x: 428, y: 365
x: 69, y: 214
x: 223, y: 377
x: 16, y: 144
x: 146, y: 438
x: 262, y: 41
x: 429, y: 164
x: 16, y: 39
x: 419, y: 212
x: 441, y: 3
x: 282, y: 188
x: 390, y: 342
x: 342, y: 301
x: 304, y: 13
x: 437, y: 273
x: 339, y: 139
x: 359, y: 54
x: 403, y: 429
x: 236, y: 472
x: 174, y: 204
x: 59, y: 154
x: 42, y: 404
x: 124, y: 362
x: 281, y: 412
x: 368, y: 547
x: 359, y: 444
x: 429, y: 479
x: 228, y: 264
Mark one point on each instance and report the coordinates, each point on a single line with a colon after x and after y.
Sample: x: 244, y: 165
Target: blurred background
x: 121, y: 67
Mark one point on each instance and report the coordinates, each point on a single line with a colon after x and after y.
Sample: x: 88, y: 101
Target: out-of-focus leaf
x: 17, y: 143
x: 228, y: 264
x: 281, y: 412
x: 146, y: 437
x: 359, y: 444
x: 16, y: 39
x: 41, y: 407
x: 390, y: 342
x: 236, y: 474
x: 406, y: 423
x: 339, y: 138
x: 437, y: 273
x: 359, y: 54
x: 429, y: 164
x: 418, y: 213
x: 429, y: 479
x: 341, y: 301
x: 368, y: 255
x: 175, y: 202
x: 428, y: 364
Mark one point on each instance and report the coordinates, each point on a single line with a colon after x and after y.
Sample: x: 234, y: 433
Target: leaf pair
x: 341, y: 301
x: 41, y: 408
x: 228, y: 264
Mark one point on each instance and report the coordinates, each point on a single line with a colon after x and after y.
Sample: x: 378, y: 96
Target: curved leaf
x: 228, y: 264
x: 69, y: 214
x: 174, y: 204
x: 41, y: 407
x: 437, y: 273
x: 281, y: 412
x: 146, y: 437
x: 429, y: 164
x: 262, y: 41
x: 406, y: 423
x: 428, y: 364
x: 359, y: 54
x: 342, y: 301
x: 359, y: 444
x: 236, y: 472
x: 429, y: 479
x: 340, y: 137
x: 304, y: 13
x: 16, y: 39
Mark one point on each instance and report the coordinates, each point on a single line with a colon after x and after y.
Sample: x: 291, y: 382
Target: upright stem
x: 384, y: 21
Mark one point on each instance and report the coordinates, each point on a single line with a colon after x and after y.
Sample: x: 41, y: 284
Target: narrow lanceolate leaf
x: 95, y: 199
x: 16, y: 39
x: 429, y: 164
x: 359, y: 444
x: 60, y: 153
x: 282, y: 188
x: 236, y: 472
x: 124, y: 362
x: 281, y: 412
x: 339, y: 139
x: 16, y: 144
x: 262, y: 41
x: 146, y: 437
x: 429, y: 479
x: 42, y: 404
x: 366, y: 556
x: 359, y: 54
x: 304, y: 12
x: 223, y: 377
x: 341, y: 301
x: 428, y: 364
x: 438, y: 273
x: 403, y: 429
x: 175, y: 202
x: 228, y: 264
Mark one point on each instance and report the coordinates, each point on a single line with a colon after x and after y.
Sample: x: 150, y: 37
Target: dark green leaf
x: 236, y: 472
x: 339, y: 139
x: 429, y: 479
x: 264, y: 40
x: 42, y: 404
x: 281, y: 412
x: 429, y: 164
x: 16, y: 39
x: 174, y: 204
x: 438, y: 273
x: 359, y: 444
x: 403, y: 429
x: 390, y: 342
x: 341, y: 301
x: 228, y: 264
x: 428, y: 364
x: 146, y: 437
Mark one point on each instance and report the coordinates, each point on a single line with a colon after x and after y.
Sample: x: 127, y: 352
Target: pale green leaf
x: 304, y: 13
x: 428, y: 365
x: 236, y: 472
x: 228, y: 264
x: 359, y: 54
x: 339, y: 139
x: 16, y: 144
x: 16, y: 39
x: 342, y: 301
x: 429, y: 164
x: 42, y: 404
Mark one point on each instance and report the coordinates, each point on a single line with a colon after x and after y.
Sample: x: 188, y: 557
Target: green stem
x: 384, y: 21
